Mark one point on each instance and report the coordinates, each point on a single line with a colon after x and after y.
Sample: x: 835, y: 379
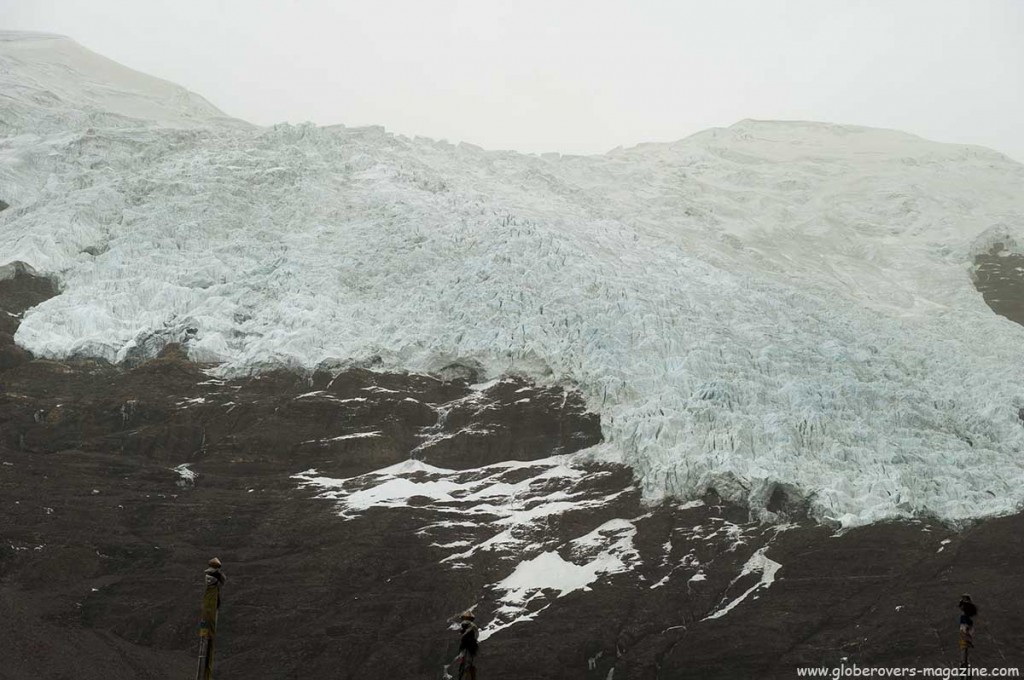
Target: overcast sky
x: 576, y: 77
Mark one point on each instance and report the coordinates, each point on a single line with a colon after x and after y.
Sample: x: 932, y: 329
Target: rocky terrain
x: 358, y: 513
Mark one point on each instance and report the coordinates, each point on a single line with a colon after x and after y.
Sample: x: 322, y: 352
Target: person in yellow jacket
x: 214, y: 580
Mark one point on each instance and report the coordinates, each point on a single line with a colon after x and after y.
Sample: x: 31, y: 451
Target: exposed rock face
x: 345, y: 560
x: 999, y: 277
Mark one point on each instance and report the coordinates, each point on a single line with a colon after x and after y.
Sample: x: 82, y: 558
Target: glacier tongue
x: 769, y: 304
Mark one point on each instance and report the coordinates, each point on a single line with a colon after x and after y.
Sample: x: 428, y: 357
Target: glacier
x: 773, y: 305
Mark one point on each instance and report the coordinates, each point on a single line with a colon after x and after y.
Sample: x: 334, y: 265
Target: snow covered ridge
x: 771, y: 303
x: 50, y: 82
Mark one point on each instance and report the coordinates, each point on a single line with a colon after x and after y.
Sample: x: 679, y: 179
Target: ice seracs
x: 766, y: 306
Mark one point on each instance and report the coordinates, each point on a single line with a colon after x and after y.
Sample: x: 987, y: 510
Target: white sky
x: 575, y: 77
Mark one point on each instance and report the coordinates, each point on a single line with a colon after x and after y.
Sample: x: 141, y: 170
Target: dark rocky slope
x: 102, y: 542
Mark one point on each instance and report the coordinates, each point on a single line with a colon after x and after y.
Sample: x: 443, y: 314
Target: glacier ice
x: 771, y: 304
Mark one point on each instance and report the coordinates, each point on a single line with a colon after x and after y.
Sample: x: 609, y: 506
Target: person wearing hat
x: 968, y: 610
x: 214, y: 580
x: 468, y: 645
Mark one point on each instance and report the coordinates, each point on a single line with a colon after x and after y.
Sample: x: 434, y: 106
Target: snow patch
x: 606, y: 550
x: 186, y: 476
x: 481, y: 491
x: 340, y: 438
x: 499, y: 508
x: 758, y: 563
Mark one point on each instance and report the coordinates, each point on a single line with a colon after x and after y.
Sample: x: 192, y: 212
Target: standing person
x: 968, y: 611
x: 214, y: 580
x: 468, y: 645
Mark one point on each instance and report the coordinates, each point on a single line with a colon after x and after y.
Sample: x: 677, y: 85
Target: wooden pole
x: 204, y: 646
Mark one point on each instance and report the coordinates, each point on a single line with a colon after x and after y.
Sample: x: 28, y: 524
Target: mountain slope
x: 49, y: 80
x: 769, y: 306
x: 771, y: 320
